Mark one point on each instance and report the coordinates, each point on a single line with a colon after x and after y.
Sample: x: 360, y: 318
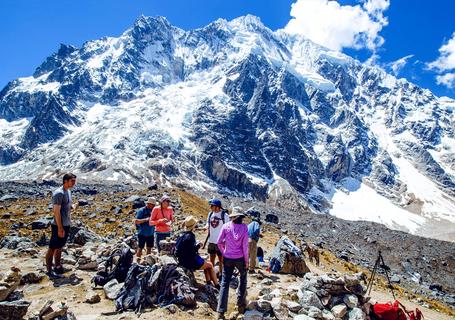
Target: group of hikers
x: 230, y: 241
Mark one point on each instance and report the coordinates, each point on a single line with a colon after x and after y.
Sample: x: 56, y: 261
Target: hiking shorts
x: 213, y: 249
x: 142, y: 240
x: 56, y: 242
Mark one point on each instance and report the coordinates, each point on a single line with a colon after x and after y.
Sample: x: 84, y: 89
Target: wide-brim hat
x: 151, y: 200
x: 237, y: 212
x: 189, y: 223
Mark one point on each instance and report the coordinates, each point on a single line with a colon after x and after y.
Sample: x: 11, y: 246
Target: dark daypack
x: 118, y: 271
x: 183, y: 246
x: 136, y: 292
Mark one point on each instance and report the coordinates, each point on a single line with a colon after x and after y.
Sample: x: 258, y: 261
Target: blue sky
x: 32, y: 30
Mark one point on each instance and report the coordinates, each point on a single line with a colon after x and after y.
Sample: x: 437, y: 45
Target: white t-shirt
x: 215, y: 224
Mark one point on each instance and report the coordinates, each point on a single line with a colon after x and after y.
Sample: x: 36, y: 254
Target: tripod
x: 380, y: 263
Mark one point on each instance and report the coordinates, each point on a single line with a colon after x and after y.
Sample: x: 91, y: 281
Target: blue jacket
x: 254, y: 229
x: 144, y: 229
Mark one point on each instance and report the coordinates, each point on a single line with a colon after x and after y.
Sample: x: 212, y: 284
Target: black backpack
x: 119, y: 271
x: 181, y: 246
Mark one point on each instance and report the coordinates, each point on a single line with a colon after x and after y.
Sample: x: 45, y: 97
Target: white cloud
x: 446, y: 59
x: 447, y: 80
x: 340, y: 26
x: 397, y: 65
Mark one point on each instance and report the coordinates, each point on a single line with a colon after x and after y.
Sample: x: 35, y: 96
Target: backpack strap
x: 208, y: 220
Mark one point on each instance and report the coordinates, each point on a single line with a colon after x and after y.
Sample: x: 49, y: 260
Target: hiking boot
x: 60, y: 270
x: 251, y: 271
x: 221, y: 316
x: 53, y: 276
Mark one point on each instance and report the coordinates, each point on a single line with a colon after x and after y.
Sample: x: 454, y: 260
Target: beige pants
x: 252, y: 252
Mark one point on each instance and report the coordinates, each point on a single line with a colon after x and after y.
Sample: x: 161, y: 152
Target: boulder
x: 253, y: 315
x: 152, y: 186
x: 271, y: 218
x: 309, y: 298
x: 42, y: 223
x: 112, y: 289
x: 351, y: 300
x: 264, y: 306
x: 82, y: 203
x: 8, y: 197
x: 84, y: 235
x: 13, y: 242
x: 13, y: 310
x: 357, y: 314
x: 327, y: 315
x: 9, y: 282
x: 92, y: 297
x: 165, y: 260
x: 303, y: 317
x: 293, y: 306
x: 60, y: 312
x: 31, y: 277
x: 314, y: 312
x: 288, y: 258
x: 339, y: 311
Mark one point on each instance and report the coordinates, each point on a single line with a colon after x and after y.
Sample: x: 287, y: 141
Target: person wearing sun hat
x: 162, y: 218
x: 145, y: 232
x: 186, y: 250
x: 233, y: 243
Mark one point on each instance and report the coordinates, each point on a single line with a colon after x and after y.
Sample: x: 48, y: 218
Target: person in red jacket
x: 162, y: 218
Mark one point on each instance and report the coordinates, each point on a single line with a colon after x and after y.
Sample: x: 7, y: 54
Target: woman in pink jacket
x: 162, y: 216
x: 233, y: 244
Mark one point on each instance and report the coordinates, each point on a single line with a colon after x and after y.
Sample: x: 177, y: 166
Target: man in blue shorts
x: 145, y: 232
x: 61, y: 207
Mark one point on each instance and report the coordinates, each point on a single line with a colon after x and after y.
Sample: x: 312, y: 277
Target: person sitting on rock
x: 233, y: 243
x: 186, y: 250
x: 145, y: 232
x: 162, y: 217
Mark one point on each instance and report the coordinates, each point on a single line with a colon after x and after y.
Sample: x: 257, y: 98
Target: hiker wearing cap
x: 162, y: 217
x: 216, y: 218
x: 145, y: 232
x: 233, y: 243
x: 186, y: 250
x: 254, y: 233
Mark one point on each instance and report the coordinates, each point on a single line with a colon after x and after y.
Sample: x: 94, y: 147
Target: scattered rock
x: 92, y: 297
x: 83, y: 203
x: 112, y: 289
x: 13, y: 310
x: 351, y: 300
x: 253, y: 315
x: 9, y: 282
x: 42, y: 223
x: 357, y: 314
x: 31, y: 277
x: 339, y: 310
x: 309, y: 298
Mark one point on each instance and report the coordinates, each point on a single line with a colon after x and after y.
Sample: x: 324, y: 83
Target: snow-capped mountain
x: 238, y: 107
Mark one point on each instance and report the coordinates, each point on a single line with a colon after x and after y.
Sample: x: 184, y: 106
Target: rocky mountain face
x: 235, y: 107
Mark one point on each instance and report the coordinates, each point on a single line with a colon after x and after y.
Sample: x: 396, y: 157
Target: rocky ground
x: 348, y: 248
